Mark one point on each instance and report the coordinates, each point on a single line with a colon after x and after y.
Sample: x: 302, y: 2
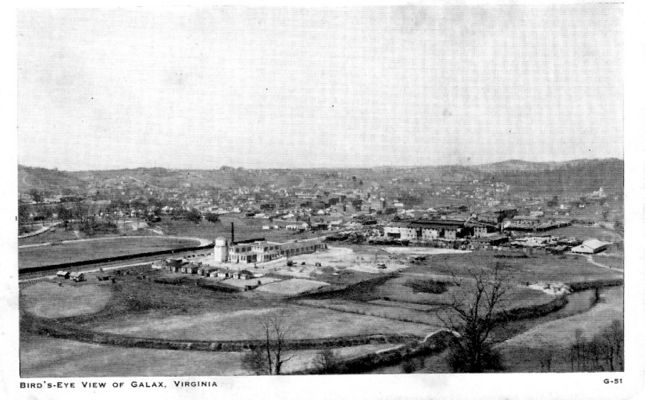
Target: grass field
x: 53, y: 235
x: 303, y: 322
x: 93, y: 249
x: 47, y: 357
x: 396, y: 313
x: 613, y: 261
x: 291, y: 287
x: 47, y: 299
x: 397, y: 290
x: 546, y: 267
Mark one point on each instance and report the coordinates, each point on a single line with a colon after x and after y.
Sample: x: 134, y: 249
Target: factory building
x: 260, y: 250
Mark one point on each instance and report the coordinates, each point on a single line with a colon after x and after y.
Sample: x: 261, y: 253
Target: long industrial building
x: 262, y: 250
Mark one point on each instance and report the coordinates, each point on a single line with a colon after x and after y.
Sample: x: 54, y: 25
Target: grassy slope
x: 304, y: 322
x: 69, y: 252
x: 522, y: 351
x: 47, y: 299
x: 548, y: 268
x: 46, y: 357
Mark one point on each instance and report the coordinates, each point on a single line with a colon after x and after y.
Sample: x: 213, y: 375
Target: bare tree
x: 326, y: 362
x: 269, y: 357
x: 475, y: 310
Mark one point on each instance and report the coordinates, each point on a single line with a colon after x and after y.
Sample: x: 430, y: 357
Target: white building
x: 590, y: 246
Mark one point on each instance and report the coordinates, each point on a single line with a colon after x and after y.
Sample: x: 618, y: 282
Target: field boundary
x: 431, y: 344
x: 48, y: 327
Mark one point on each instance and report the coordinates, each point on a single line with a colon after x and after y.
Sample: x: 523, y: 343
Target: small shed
x: 77, y: 276
x: 63, y: 274
x: 243, y: 274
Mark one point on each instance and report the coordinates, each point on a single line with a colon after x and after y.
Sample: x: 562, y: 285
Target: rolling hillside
x: 554, y: 178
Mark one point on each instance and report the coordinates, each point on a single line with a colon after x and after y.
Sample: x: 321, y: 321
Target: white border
x: 485, y: 386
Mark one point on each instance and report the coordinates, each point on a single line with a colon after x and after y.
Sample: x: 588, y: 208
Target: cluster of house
x: 74, y: 276
x: 180, y: 265
x: 429, y: 230
x: 433, y: 229
x: 558, y: 245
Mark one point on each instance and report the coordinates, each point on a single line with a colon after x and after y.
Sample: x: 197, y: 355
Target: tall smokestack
x: 232, y: 233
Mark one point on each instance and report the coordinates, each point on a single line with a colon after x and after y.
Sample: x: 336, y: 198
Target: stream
x: 578, y: 302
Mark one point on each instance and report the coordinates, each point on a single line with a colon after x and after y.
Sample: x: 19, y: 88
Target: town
x: 388, y: 246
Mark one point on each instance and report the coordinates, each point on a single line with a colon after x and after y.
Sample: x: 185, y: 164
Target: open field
x: 55, y: 234
x: 393, y: 312
x: 397, y: 290
x: 291, y: 287
x: 306, y: 358
x: 584, y: 232
x: 303, y: 322
x: 242, y: 283
x: 612, y: 261
x: 541, y: 267
x: 96, y: 248
x: 133, y: 296
x: 47, y: 357
x: 47, y: 299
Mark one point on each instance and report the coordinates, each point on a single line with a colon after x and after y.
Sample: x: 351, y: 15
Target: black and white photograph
x: 383, y: 191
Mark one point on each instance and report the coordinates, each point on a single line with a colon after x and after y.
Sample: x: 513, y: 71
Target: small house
x: 63, y: 274
x: 189, y: 269
x: 77, y: 276
x: 243, y: 274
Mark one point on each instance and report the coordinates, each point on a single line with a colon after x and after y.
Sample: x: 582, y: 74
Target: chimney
x: 232, y: 233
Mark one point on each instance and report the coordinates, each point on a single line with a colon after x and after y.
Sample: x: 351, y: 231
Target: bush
x: 427, y: 286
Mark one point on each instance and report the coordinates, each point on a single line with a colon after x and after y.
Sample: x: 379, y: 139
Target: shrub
x: 427, y: 286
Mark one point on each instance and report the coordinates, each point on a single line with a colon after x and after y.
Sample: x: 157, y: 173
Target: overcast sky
x: 288, y: 87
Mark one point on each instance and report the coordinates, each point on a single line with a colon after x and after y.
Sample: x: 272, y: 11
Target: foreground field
x: 302, y: 322
x: 522, y: 352
x: 49, y: 300
x: 47, y: 357
x: 96, y: 248
x: 562, y: 331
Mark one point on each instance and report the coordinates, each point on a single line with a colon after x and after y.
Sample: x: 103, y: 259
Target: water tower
x: 220, y: 252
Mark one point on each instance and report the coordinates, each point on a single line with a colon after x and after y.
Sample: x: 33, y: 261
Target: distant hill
x: 46, y: 179
x: 556, y: 178
x: 535, y: 177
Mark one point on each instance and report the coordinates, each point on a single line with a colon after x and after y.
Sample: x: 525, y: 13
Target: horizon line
x: 329, y: 168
